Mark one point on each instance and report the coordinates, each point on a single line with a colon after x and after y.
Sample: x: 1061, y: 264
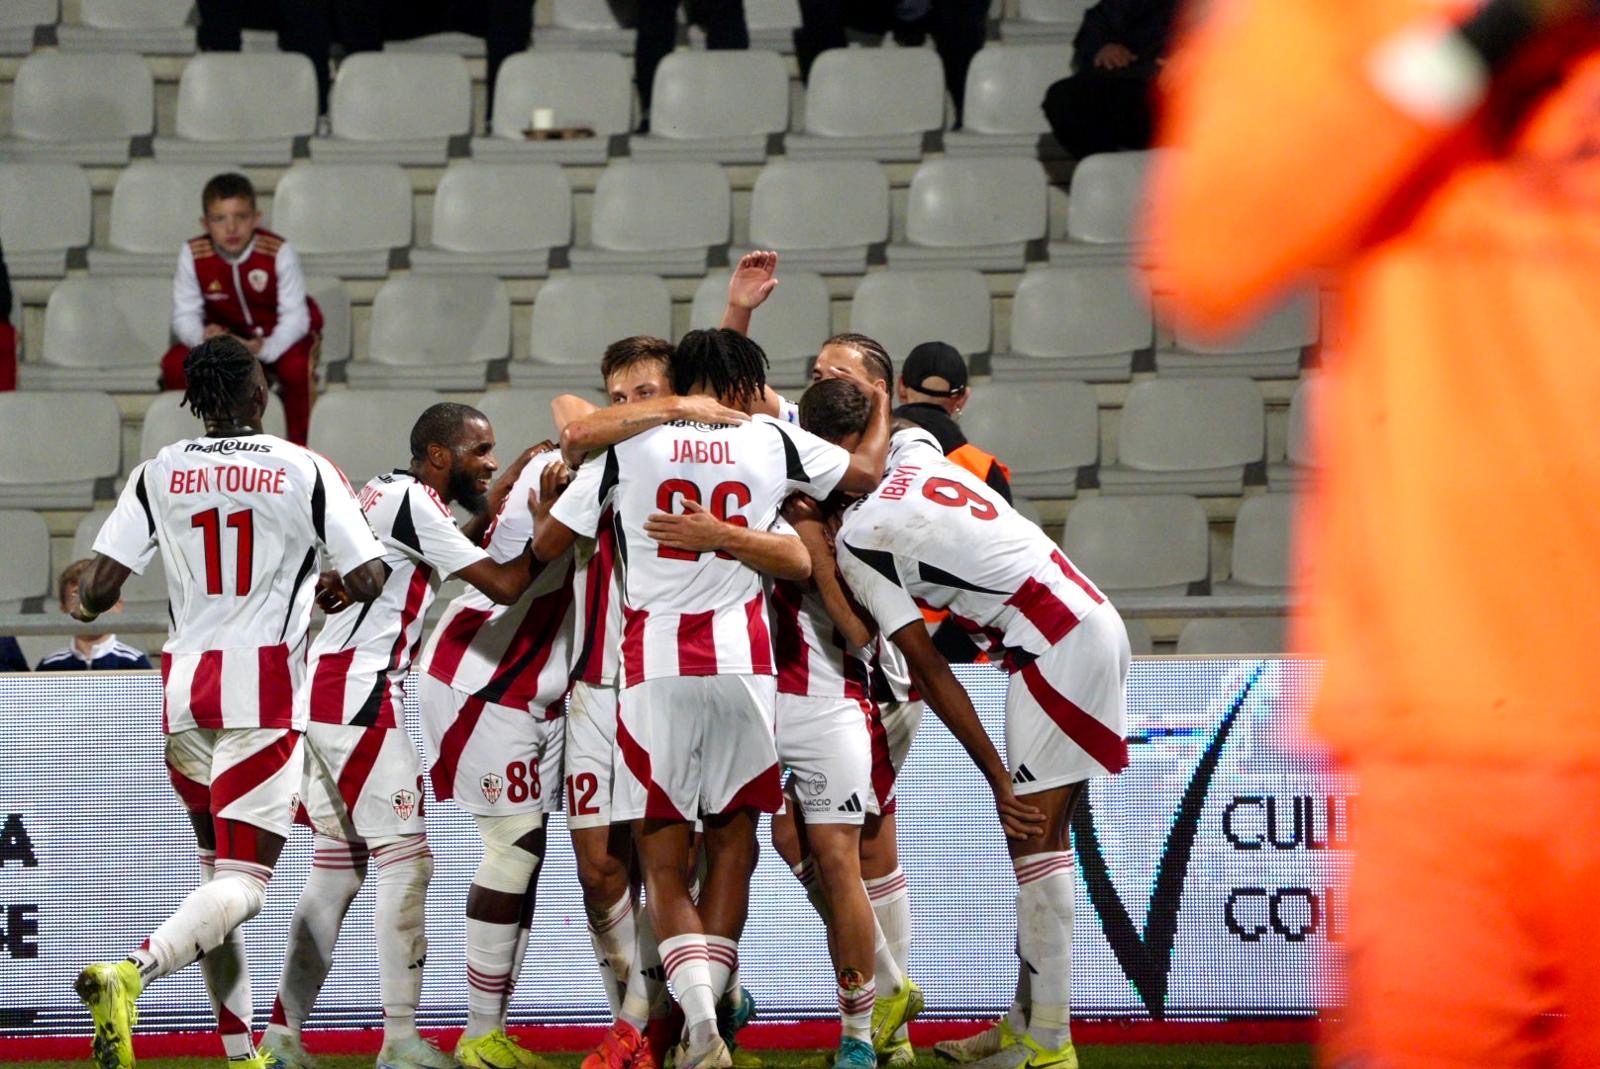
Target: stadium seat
x: 167, y: 421
x: 902, y: 309
x: 396, y: 108
x: 1139, y: 641
x: 875, y: 103
x: 155, y: 208
x: 20, y: 21
x: 576, y: 316
x: 1300, y: 467
x: 721, y: 105
x: 1152, y: 546
x: 1187, y: 436
x: 592, y: 90
x: 1003, y: 113
x: 1076, y: 323
x: 656, y: 217
x: 447, y: 42
x: 1028, y: 510
x: 521, y: 417
x: 367, y: 432
x: 46, y: 211
x: 54, y: 447
x: 77, y: 108
x: 1104, y: 207
x: 1041, y: 21
x: 586, y: 25
x: 1260, y: 561
x: 141, y: 592
x: 246, y: 107
x: 973, y: 213
x: 25, y: 565
x: 1230, y: 637
x: 1269, y: 348
x: 103, y: 334
x: 497, y: 219
x: 342, y: 219
x: 790, y: 326
x: 1044, y: 432
x: 435, y: 332
x: 820, y: 215
x: 334, y: 301
x: 153, y: 27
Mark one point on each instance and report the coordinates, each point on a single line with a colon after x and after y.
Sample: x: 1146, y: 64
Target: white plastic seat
x: 25, y: 565
x: 167, y: 421
x: 1081, y: 322
x: 1187, y: 436
x: 1105, y: 207
x: 790, y: 326
x: 876, y: 103
x: 576, y: 316
x: 522, y: 417
x: 344, y: 219
x: 396, y: 108
x: 583, y: 89
x: 103, y: 334
x: 1045, y: 21
x: 585, y: 25
x: 1300, y: 467
x: 153, y: 27
x: 1003, y: 112
x: 46, y: 211
x: 1231, y: 637
x: 820, y: 215
x: 497, y: 218
x: 243, y: 106
x: 902, y: 309
x: 1267, y: 348
x: 140, y: 592
x: 1153, y: 546
x: 1043, y: 432
x: 657, y: 217
x: 155, y: 208
x: 448, y: 42
x: 367, y: 432
x: 20, y: 21
x: 719, y: 105
x: 77, y: 108
x: 435, y: 332
x: 334, y: 301
x: 978, y: 212
x: 54, y: 447
x: 1260, y: 560
x: 1140, y: 643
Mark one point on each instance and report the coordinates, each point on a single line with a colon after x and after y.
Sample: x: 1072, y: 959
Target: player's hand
x: 254, y: 345
x: 696, y: 530
x: 698, y: 408
x: 753, y: 281
x: 500, y: 489
x: 332, y: 597
x: 1019, y: 819
x: 800, y: 508
x: 1114, y: 57
x: 552, y: 481
x: 212, y: 330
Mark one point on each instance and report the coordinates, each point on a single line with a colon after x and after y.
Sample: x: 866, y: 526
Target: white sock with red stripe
x: 855, y: 1008
x: 688, y: 964
x: 405, y: 865
x: 204, y: 919
x: 337, y: 869
x: 612, y: 933
x: 723, y: 956
x: 647, y: 988
x: 891, y: 905
x: 227, y: 975
x: 495, y: 948
x: 1044, y: 938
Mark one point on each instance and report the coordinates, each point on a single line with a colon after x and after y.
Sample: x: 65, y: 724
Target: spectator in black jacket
x: 1105, y: 106
x: 88, y: 652
x: 11, y: 658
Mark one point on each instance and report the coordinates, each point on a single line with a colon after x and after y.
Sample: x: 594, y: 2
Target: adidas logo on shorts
x: 1022, y: 775
x: 851, y: 804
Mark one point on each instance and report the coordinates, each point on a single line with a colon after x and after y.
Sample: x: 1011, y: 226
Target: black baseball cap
x: 936, y: 369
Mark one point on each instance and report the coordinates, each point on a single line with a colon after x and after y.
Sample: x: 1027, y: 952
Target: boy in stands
x: 907, y: 546
x: 363, y: 779
x: 238, y: 517
x: 239, y: 279
x: 96, y: 652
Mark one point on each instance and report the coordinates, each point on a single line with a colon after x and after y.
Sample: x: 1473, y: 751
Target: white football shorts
x: 826, y: 744
x: 591, y: 748
x: 362, y: 783
x: 248, y: 775
x: 489, y: 759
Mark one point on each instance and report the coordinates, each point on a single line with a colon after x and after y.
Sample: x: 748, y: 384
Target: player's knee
x: 249, y: 887
x: 603, y: 876
x: 786, y: 839
x: 837, y: 852
x: 403, y: 859
x: 508, y: 865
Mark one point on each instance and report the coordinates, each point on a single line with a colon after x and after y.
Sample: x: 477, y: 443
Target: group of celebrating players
x: 702, y: 588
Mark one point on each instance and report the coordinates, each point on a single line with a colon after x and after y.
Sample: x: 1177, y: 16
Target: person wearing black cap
x: 933, y: 391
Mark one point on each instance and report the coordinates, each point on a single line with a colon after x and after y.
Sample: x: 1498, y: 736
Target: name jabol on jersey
x: 694, y: 451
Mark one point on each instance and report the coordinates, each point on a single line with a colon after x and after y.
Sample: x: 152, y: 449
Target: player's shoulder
x: 59, y: 659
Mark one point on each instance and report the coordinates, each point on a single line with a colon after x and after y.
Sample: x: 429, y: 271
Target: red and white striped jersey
x: 359, y: 661
x: 910, y: 545
x: 238, y: 522
x: 685, y: 613
x: 518, y: 655
x: 813, y: 660
x: 598, y: 605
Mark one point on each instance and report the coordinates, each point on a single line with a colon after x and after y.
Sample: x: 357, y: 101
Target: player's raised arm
x: 573, y: 510
x: 774, y: 553
x: 750, y: 285
x: 506, y: 581
x: 855, y: 625
x: 605, y: 427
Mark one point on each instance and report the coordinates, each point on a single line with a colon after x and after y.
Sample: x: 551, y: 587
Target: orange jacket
x: 1451, y: 551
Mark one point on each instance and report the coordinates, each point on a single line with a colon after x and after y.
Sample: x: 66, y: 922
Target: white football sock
x: 855, y: 1010
x: 1044, y: 937
x: 405, y: 865
x: 227, y: 976
x: 723, y: 956
x: 891, y: 905
x: 612, y: 933
x: 493, y: 948
x: 647, y: 987
x: 337, y: 869
x: 687, y: 962
x: 204, y: 919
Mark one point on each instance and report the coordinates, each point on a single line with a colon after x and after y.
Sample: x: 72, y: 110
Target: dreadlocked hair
x: 441, y: 424
x: 218, y: 373
x: 834, y: 409
x: 723, y: 361
x: 874, y: 355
